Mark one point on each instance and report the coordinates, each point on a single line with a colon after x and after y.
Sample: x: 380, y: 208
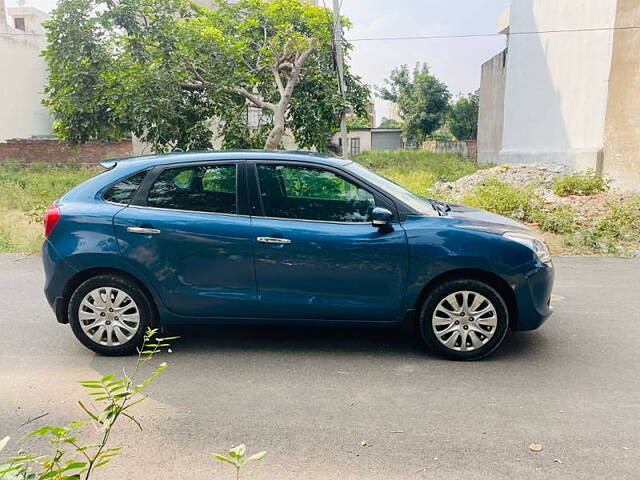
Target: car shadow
x: 291, y: 339
x: 330, y: 339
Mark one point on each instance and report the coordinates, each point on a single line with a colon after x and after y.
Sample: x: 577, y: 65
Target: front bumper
x: 533, y: 298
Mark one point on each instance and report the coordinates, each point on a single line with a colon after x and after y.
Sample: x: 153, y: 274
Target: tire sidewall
x: 447, y: 288
x: 131, y: 289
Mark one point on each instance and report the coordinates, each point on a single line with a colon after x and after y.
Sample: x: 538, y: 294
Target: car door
x: 317, y: 254
x: 188, y: 232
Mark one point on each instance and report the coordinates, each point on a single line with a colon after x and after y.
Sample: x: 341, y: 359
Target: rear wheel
x: 464, y: 319
x: 109, y: 314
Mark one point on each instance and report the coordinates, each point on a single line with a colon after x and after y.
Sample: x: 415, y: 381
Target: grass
x: 614, y: 233
x: 587, y: 183
x: 498, y: 197
x: 417, y: 170
x: 24, y: 196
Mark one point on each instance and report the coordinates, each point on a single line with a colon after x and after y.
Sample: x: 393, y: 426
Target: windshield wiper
x: 440, y: 207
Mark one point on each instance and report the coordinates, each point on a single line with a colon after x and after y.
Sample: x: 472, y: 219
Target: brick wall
x: 48, y: 150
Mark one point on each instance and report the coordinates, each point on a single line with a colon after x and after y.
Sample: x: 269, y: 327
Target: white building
x: 565, y: 89
x: 24, y: 73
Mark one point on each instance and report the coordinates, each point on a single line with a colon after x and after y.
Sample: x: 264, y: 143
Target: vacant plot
x: 576, y: 213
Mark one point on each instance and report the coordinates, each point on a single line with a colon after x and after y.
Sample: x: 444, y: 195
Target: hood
x: 483, y: 220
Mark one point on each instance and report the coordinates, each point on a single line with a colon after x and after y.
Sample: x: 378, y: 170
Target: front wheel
x: 464, y: 319
x: 109, y: 314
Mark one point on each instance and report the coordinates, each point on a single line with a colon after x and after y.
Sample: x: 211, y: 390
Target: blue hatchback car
x: 274, y: 237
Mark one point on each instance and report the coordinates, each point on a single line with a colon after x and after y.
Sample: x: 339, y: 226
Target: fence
x: 467, y: 149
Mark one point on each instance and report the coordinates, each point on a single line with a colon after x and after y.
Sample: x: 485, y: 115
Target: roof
x: 220, y: 155
x: 375, y: 130
x: 386, y: 130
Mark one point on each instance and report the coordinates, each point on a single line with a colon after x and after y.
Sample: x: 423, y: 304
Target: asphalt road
x: 310, y: 397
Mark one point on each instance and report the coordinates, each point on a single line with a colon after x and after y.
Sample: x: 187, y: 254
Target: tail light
x: 50, y: 218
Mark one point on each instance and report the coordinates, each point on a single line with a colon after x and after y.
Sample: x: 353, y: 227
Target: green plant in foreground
x: 588, y: 183
x: 71, y: 458
x: 236, y: 457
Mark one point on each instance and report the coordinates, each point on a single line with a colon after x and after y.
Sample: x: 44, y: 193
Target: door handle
x: 143, y: 230
x: 279, y: 241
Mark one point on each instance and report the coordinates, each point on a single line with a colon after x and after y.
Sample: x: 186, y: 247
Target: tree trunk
x: 277, y: 132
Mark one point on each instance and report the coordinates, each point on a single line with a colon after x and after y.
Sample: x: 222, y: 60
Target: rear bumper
x: 57, y: 274
x: 533, y: 298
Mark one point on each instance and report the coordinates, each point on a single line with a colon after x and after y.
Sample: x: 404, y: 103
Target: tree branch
x: 297, y: 70
x: 255, y: 99
x: 276, y: 74
x: 193, y: 86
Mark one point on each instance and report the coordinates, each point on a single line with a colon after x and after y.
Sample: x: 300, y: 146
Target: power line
x: 481, y: 35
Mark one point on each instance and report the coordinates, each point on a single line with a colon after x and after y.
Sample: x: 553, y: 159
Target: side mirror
x: 381, y: 218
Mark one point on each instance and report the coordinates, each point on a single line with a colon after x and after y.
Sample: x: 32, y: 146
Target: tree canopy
x: 462, y: 117
x: 422, y: 100
x: 390, y: 123
x: 166, y: 70
x: 359, y: 122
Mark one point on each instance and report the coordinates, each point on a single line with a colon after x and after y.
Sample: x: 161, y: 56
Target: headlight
x: 532, y: 242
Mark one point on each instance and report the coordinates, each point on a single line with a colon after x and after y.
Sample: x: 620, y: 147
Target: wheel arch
x: 490, y: 278
x: 84, y: 275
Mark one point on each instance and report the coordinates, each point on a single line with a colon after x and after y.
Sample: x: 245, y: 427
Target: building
x: 21, y: 41
x: 371, y: 139
x: 565, y: 88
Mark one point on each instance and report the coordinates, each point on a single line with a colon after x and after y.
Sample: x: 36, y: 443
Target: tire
x: 109, y: 314
x: 455, y: 301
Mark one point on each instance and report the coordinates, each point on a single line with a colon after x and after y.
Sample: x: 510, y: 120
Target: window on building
x: 123, y: 191
x: 312, y: 194
x: 18, y: 22
x: 210, y: 188
x: 354, y: 146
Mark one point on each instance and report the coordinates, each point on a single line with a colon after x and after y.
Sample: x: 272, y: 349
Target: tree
x: 166, y: 69
x: 462, y: 117
x: 390, y: 123
x: 422, y: 100
x: 358, y: 122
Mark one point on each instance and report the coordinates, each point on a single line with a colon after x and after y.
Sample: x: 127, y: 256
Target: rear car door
x: 187, y: 231
x: 317, y: 254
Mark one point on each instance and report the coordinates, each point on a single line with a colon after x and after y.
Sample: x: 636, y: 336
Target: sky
x: 456, y: 62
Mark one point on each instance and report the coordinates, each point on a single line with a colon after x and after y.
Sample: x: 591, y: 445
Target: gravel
x: 538, y: 177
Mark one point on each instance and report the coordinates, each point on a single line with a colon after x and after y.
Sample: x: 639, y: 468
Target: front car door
x: 188, y: 232
x: 317, y: 255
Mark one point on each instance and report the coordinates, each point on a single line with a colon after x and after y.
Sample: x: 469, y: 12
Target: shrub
x: 588, y: 183
x: 616, y: 232
x: 498, y: 197
x: 622, y: 221
x: 560, y: 220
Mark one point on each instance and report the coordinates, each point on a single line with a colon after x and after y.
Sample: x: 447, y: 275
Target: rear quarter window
x: 123, y: 191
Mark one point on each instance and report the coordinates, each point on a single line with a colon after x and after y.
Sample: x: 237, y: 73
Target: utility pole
x: 337, y: 44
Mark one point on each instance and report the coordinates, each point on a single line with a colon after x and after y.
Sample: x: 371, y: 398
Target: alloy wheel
x: 464, y: 321
x: 109, y: 316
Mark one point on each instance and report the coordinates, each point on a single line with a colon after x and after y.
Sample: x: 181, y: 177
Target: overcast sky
x: 455, y: 61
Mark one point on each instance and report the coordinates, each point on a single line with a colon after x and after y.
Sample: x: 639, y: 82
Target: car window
x: 210, y: 188
x: 312, y: 194
x: 123, y: 191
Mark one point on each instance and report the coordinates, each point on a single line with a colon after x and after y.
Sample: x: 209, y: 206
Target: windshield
x: 420, y: 205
